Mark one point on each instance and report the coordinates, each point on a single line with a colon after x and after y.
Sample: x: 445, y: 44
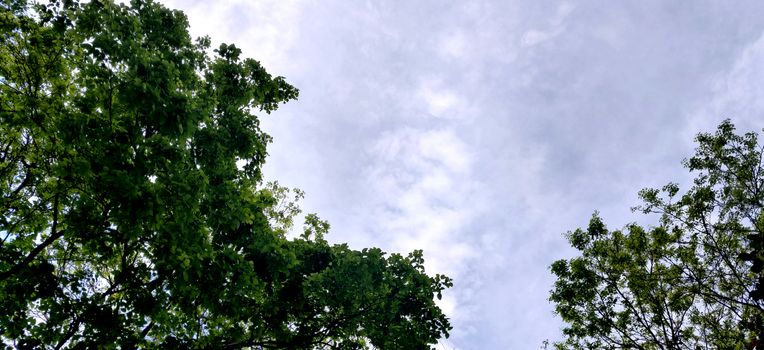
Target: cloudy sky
x: 481, y: 131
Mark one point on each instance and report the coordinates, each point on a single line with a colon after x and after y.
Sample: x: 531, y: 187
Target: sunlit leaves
x: 691, y: 282
x: 134, y: 213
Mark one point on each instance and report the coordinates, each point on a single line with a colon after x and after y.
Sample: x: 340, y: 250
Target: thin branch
x: 54, y: 235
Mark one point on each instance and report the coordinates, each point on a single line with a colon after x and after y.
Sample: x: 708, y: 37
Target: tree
x: 694, y: 281
x: 133, y: 209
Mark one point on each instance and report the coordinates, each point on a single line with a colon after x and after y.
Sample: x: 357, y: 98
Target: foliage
x: 694, y: 281
x: 133, y: 209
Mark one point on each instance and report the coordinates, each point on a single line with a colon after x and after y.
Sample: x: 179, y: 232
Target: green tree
x: 133, y: 209
x: 694, y: 280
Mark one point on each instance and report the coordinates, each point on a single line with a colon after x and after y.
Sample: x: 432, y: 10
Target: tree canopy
x: 134, y: 214
x: 694, y: 280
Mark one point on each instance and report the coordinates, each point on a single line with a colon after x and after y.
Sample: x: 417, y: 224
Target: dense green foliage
x: 133, y: 209
x: 694, y: 281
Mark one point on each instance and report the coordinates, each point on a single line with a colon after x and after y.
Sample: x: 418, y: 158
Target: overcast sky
x: 481, y: 131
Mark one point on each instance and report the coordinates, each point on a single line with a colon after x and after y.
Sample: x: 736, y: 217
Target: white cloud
x: 556, y: 26
x: 534, y: 37
x: 443, y: 146
x: 427, y: 195
x: 453, y: 45
x: 737, y: 94
x: 440, y: 101
x: 264, y: 29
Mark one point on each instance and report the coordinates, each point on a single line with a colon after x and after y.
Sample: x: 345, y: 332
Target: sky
x: 481, y: 131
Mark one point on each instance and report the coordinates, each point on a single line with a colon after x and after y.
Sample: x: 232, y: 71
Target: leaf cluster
x: 694, y: 281
x: 133, y: 209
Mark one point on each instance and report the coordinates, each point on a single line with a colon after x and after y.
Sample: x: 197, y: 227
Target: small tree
x: 133, y: 210
x: 692, y: 282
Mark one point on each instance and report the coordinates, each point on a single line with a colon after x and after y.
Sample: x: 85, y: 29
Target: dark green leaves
x: 133, y: 210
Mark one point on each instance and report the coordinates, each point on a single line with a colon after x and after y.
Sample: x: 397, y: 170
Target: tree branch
x: 54, y: 235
